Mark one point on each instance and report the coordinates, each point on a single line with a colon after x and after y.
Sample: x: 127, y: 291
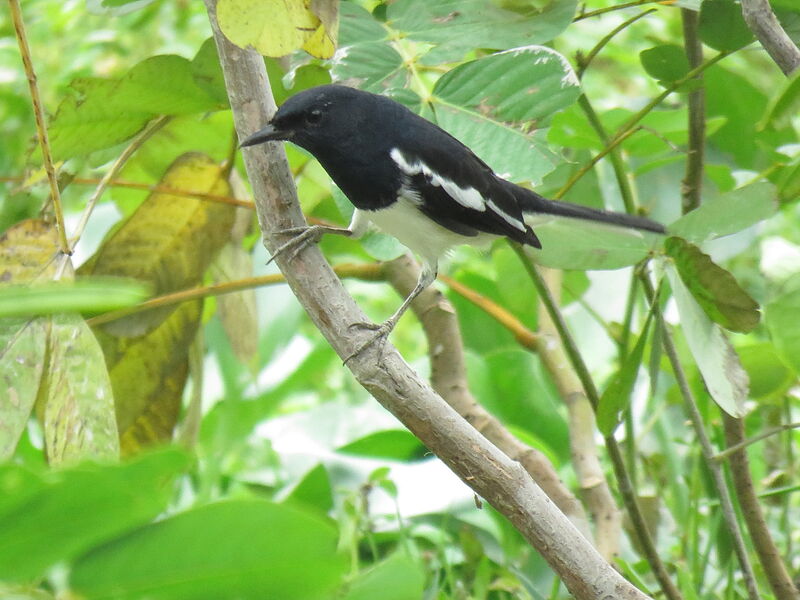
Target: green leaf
x: 718, y: 362
x: 728, y: 213
x: 115, y: 7
x: 722, y: 25
x: 395, y: 578
x: 365, y: 56
x: 393, y: 444
x: 784, y: 104
x: 500, y: 85
x: 787, y: 180
x: 78, y: 415
x: 22, y: 362
x: 238, y: 549
x: 587, y: 245
x: 61, y: 514
x: 314, y: 489
x: 509, y: 151
x: 715, y: 289
x: 617, y: 396
x: 665, y: 62
x: 93, y: 294
x: 455, y: 27
x: 89, y: 119
x: 781, y: 317
x: 769, y: 374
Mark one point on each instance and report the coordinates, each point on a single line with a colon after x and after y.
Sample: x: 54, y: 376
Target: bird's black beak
x: 269, y: 134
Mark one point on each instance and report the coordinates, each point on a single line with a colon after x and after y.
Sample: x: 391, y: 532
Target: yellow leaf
x: 279, y: 27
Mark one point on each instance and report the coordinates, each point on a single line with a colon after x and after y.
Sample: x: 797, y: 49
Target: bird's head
x: 320, y: 117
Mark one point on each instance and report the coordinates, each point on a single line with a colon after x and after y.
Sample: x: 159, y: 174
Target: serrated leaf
x: 718, y: 362
x: 169, y: 241
x: 239, y: 549
x: 280, y: 28
x: 728, y: 213
x: 500, y: 85
x: 76, y: 405
x: 57, y: 516
x: 148, y: 375
x: 455, y: 27
x: 617, y: 396
x: 365, y: 56
x: 665, y: 62
x: 722, y: 25
x: 715, y: 289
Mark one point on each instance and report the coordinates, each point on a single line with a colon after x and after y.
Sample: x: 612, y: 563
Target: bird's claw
x: 382, y: 332
x: 303, y: 236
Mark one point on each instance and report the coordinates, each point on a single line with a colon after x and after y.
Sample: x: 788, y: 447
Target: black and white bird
x: 411, y: 179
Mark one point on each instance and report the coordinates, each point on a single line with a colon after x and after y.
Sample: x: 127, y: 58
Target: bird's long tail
x: 531, y: 202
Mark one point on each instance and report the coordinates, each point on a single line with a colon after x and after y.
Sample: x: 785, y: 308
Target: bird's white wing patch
x: 468, y: 197
x: 515, y: 223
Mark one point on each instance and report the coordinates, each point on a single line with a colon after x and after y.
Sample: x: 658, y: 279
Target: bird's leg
x: 303, y: 236
x: 382, y: 331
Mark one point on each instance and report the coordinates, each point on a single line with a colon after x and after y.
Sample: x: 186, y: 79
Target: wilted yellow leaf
x: 279, y: 27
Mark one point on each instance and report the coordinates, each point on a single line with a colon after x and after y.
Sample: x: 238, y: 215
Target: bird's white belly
x: 417, y: 232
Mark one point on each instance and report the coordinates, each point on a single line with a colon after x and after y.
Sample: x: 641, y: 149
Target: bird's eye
x: 314, y: 117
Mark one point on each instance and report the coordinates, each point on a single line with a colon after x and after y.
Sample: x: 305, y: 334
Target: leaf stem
x: 41, y: 126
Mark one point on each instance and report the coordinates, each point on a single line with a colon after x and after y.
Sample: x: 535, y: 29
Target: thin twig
x: 583, y: 62
x: 608, y: 9
x: 726, y: 502
x: 692, y: 184
x: 112, y: 172
x: 41, y: 126
x: 594, y: 160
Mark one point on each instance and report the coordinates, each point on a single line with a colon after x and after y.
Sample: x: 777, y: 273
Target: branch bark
x: 582, y: 427
x: 774, y: 568
x: 765, y: 26
x: 489, y: 472
x: 449, y: 380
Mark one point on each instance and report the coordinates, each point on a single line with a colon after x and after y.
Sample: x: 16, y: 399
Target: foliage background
x: 287, y: 439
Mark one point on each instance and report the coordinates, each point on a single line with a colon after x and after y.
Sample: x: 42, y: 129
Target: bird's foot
x: 380, y: 336
x: 302, y: 237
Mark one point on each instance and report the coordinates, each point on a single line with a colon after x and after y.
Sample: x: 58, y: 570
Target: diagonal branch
x: 488, y: 471
x: 764, y: 24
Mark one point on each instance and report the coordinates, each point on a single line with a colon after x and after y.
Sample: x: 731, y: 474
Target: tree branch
x: 582, y: 427
x: 449, y: 379
x: 774, y: 568
x: 765, y: 26
x: 488, y: 471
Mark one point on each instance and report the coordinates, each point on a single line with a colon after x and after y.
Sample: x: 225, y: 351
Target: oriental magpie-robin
x: 412, y: 179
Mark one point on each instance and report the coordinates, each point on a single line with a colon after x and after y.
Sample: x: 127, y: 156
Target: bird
x: 412, y: 180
